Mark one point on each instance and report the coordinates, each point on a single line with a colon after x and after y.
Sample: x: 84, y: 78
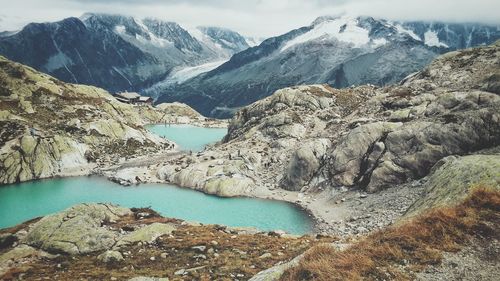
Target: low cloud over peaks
x: 261, y: 18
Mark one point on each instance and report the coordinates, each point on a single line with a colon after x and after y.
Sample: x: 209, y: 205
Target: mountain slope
x: 50, y: 128
x: 110, y: 51
x: 72, y: 52
x: 341, y: 51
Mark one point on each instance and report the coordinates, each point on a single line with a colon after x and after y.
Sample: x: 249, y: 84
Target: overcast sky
x: 260, y: 18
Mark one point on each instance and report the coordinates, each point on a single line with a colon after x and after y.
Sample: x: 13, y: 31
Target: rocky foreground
x: 106, y: 242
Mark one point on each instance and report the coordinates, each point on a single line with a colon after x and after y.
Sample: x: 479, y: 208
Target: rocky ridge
x: 50, y: 128
x: 310, y: 138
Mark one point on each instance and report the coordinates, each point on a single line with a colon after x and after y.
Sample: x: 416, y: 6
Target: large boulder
x: 454, y: 177
x: 378, y: 155
x: 77, y: 230
x: 146, y: 234
x: 305, y: 162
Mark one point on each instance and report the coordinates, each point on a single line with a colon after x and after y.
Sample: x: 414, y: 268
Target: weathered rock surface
x: 146, y: 234
x: 110, y: 256
x: 51, y: 128
x: 276, y: 272
x: 315, y: 137
x: 453, y: 179
x: 305, y: 162
x: 78, y: 230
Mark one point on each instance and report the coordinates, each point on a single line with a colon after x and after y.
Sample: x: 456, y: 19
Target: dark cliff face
x: 456, y: 36
x: 392, y: 51
x: 73, y: 52
x: 114, y: 52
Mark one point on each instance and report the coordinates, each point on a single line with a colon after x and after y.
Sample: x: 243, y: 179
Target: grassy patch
x: 412, y: 245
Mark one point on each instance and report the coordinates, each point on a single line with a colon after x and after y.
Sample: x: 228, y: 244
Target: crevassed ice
x: 352, y: 33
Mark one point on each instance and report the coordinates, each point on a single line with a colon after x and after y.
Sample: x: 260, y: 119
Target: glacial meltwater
x: 189, y: 137
x: 24, y: 201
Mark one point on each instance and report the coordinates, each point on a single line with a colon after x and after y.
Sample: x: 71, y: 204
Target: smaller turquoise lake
x: 189, y: 137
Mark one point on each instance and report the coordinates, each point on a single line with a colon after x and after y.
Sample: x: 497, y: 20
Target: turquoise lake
x: 189, y: 137
x: 24, y: 201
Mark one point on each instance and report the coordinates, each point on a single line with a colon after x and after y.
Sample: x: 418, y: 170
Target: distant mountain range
x: 117, y: 52
x: 216, y: 70
x: 341, y: 51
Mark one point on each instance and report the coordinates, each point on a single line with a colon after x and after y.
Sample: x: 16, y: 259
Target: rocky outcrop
x: 453, y: 178
x: 78, y: 230
x: 146, y: 234
x: 261, y: 142
x: 179, y: 113
x: 316, y: 137
x: 50, y: 128
x: 305, y: 162
x: 85, y: 228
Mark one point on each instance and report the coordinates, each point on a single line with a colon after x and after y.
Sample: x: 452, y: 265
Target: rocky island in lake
x: 396, y: 181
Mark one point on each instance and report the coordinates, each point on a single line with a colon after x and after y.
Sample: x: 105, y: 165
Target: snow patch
x: 344, y: 29
x: 401, y: 29
x: 190, y: 72
x: 120, y: 29
x: 379, y: 42
x: 431, y: 39
x: 183, y: 74
x: 205, y: 39
x: 57, y: 61
x: 253, y: 41
x: 196, y: 33
x: 154, y: 40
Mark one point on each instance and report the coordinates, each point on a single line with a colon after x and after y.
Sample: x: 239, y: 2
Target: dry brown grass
x: 413, y: 244
x: 232, y: 254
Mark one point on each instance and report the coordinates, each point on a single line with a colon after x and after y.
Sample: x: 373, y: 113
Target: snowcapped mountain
x: 221, y: 39
x: 341, y: 51
x: 114, y: 52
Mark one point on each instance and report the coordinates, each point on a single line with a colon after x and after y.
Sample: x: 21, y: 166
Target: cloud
x: 261, y: 18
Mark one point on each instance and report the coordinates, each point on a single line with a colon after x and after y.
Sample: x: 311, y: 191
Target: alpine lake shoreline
x: 110, y: 172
